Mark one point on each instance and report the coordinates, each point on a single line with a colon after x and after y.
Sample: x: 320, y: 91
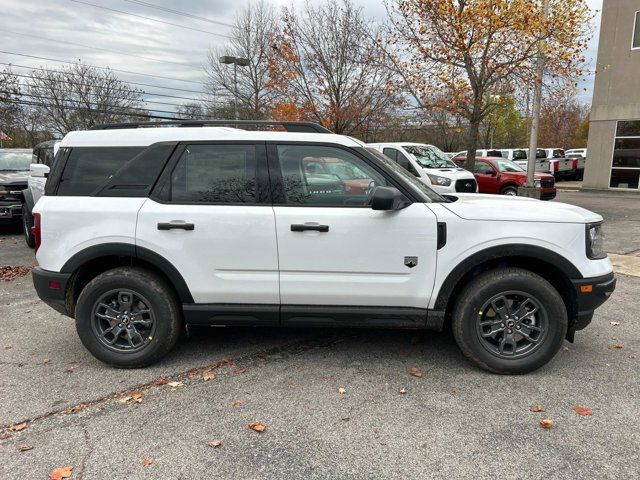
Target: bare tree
x: 81, y: 96
x: 251, y: 38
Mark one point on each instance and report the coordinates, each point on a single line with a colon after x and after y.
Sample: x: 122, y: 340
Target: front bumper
x: 51, y: 287
x: 10, y: 210
x: 590, y: 294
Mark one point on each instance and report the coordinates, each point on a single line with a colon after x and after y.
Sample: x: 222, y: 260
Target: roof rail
x: 300, y: 127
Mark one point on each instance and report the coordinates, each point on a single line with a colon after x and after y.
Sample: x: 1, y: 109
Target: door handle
x: 175, y: 225
x: 301, y: 227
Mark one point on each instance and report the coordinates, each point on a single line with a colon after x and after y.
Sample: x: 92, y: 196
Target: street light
x: 236, y: 61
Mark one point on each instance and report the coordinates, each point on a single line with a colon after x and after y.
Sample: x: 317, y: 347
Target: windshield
x: 508, y: 166
x: 416, y: 185
x: 15, y: 161
x: 429, y: 157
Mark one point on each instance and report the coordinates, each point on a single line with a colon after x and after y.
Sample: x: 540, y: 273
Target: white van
x: 430, y: 164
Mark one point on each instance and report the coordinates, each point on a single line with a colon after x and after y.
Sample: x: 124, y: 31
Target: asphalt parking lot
x: 454, y: 421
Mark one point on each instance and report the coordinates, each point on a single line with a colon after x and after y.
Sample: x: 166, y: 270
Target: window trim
x: 636, y: 25
x: 613, y: 152
x: 161, y: 190
x: 275, y: 174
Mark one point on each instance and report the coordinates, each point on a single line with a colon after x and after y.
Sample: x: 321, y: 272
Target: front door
x: 210, y: 216
x: 334, y: 250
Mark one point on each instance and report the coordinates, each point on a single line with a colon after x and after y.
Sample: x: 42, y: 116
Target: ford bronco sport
x: 147, y: 228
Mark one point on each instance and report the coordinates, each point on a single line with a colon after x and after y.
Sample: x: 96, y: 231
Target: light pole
x: 236, y: 61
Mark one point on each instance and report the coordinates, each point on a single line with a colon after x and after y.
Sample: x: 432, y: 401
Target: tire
x: 510, y: 191
x: 155, y: 331
x: 473, y: 307
x: 27, y: 223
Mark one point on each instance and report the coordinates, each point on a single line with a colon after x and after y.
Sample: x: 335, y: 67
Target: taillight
x: 35, y: 230
x: 555, y: 166
x: 575, y: 164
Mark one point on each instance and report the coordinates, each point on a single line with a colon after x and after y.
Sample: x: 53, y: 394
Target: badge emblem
x: 411, y: 261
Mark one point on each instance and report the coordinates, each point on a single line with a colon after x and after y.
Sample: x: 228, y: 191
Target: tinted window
x: 627, y: 153
x: 636, y: 31
x: 628, y: 129
x: 215, y: 174
x: 482, y: 167
x: 494, y: 153
x: 398, y: 157
x: 519, y: 155
x: 558, y: 153
x: 311, y: 176
x: 87, y: 168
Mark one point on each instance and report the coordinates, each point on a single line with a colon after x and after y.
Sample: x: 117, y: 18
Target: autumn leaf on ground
x: 257, y: 426
x: 403, y: 391
x: 546, y: 423
x: 416, y: 372
x: 536, y: 408
x: 617, y: 345
x: 193, y: 372
x: 45, y: 361
x: 25, y: 448
x: 136, y: 396
x: 208, y: 376
x: 342, y: 390
x: 18, y: 427
x: 160, y: 382
x: 71, y: 367
x: 146, y: 463
x: 291, y: 385
x: 8, y: 347
x: 583, y: 411
x: 11, y: 272
x: 215, y: 443
x: 61, y: 472
x: 237, y: 404
x: 175, y: 385
x: 615, y: 324
x: 240, y: 370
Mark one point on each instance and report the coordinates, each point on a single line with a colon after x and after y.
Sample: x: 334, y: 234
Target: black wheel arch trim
x: 28, y: 199
x: 130, y: 250
x: 495, y: 253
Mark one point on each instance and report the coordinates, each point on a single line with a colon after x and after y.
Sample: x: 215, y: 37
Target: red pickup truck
x: 499, y: 175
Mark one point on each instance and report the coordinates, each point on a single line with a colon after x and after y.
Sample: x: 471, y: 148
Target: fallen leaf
x: 342, y: 390
x: 215, y: 443
x: 615, y: 324
x: 237, y: 404
x: 136, y: 396
x: 25, y: 448
x: 61, y: 472
x: 546, y: 423
x: 4, y: 435
x: 192, y: 372
x: 18, y: 427
x: 8, y: 347
x: 257, y: 426
x: 208, y: 376
x: 536, y: 408
x: 583, y: 411
x: 71, y: 367
x: 45, y: 361
x: 291, y: 385
x: 146, y: 463
x: 566, y: 349
x: 617, y: 345
x: 455, y: 392
x: 345, y: 419
x: 403, y: 391
x: 124, y: 399
x: 175, y: 385
x: 424, y: 445
x: 225, y: 362
x: 11, y: 272
x: 240, y: 370
x: 416, y: 372
x: 160, y: 382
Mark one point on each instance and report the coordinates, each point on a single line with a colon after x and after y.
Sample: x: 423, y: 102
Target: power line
x: 149, y: 18
x: 178, y: 12
x: 101, y: 68
x: 48, y: 39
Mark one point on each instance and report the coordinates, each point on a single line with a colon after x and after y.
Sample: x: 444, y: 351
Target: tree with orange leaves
x: 328, y: 67
x: 464, y: 52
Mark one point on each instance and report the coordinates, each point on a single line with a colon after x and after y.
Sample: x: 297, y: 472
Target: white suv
x: 429, y: 164
x: 145, y: 229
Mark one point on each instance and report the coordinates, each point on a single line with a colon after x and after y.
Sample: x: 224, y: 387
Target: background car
x: 430, y: 164
x: 14, y: 169
x: 502, y: 176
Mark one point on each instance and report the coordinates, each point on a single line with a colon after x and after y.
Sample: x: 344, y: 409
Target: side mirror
x: 388, y: 198
x: 38, y: 170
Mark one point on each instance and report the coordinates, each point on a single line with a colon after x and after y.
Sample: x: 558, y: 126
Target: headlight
x: 595, y: 241
x: 438, y: 180
x: 536, y: 183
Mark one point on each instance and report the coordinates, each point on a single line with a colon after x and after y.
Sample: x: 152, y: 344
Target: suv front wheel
x: 510, y: 321
x: 128, y: 317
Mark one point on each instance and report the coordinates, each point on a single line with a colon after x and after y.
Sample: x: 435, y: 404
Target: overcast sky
x: 123, y: 41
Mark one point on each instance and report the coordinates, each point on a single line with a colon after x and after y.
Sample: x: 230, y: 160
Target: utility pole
x: 236, y: 61
x: 535, y: 114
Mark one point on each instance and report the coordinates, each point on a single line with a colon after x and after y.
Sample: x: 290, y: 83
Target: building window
x: 625, y: 168
x: 636, y: 31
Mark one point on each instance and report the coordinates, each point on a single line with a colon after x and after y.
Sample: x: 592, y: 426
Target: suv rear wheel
x: 27, y: 223
x: 128, y: 317
x: 510, y: 321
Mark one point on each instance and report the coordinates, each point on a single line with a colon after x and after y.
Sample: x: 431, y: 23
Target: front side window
x: 215, y: 174
x: 482, y: 167
x: 326, y: 176
x: 636, y: 31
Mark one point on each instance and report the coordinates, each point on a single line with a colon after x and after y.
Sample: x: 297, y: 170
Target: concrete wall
x: 616, y: 93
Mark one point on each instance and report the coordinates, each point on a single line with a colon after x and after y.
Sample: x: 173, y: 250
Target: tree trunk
x: 472, y: 142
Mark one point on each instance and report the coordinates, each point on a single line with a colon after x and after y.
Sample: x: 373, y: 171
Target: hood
x: 471, y: 206
x: 449, y: 172
x: 7, y: 178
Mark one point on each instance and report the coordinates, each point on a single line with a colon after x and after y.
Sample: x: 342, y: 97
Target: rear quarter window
x: 87, y: 168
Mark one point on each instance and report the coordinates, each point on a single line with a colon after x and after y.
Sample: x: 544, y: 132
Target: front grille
x: 468, y: 186
x: 547, y: 182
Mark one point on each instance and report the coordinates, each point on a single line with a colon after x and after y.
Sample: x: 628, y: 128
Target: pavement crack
x: 89, y: 445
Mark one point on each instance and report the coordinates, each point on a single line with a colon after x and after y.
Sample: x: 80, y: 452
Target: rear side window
x: 87, y: 168
x: 215, y: 174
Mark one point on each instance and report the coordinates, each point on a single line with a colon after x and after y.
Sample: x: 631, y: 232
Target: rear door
x: 334, y: 250
x: 210, y: 216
